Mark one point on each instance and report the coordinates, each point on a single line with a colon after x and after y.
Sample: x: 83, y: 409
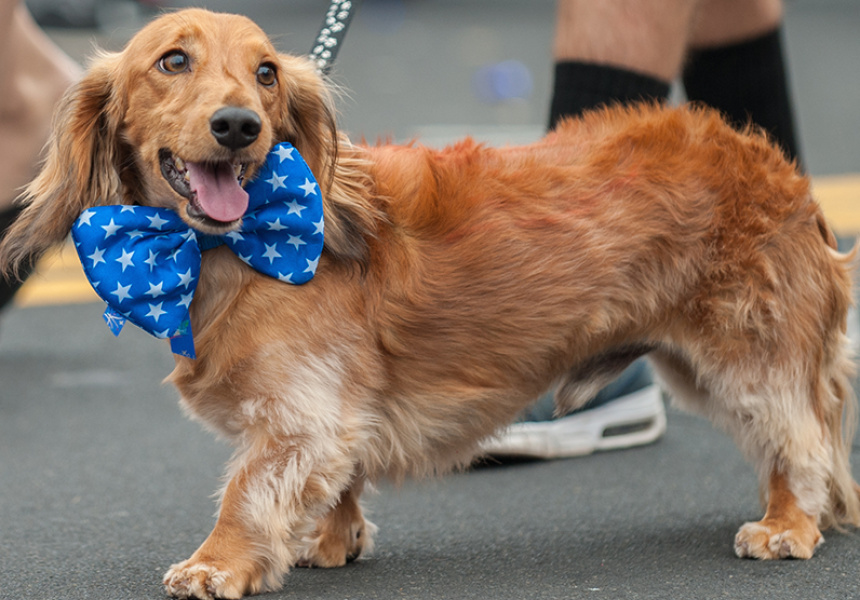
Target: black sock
x: 746, y: 81
x: 580, y: 86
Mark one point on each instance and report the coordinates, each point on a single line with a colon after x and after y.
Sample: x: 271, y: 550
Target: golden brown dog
x: 458, y: 285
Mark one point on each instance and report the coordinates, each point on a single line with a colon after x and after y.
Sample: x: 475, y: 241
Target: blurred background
x: 440, y: 69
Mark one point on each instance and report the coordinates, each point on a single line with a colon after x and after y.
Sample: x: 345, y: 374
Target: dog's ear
x: 308, y: 122
x: 307, y: 117
x: 80, y: 168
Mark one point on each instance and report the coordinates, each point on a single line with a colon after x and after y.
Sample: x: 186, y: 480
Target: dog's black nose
x: 235, y: 127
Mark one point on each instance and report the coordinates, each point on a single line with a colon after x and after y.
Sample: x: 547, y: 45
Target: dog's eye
x: 267, y: 75
x: 174, y: 61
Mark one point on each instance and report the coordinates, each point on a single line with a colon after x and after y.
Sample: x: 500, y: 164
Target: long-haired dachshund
x: 454, y: 288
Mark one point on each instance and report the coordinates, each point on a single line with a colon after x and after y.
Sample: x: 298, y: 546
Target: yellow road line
x: 60, y: 279
x: 839, y: 196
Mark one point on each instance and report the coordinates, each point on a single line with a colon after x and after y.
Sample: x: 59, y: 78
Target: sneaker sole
x: 636, y: 419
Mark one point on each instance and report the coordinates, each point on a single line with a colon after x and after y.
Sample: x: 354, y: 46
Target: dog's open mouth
x: 214, y: 190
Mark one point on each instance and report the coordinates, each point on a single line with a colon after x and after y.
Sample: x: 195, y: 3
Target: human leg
x: 616, y: 51
x: 34, y: 73
x: 737, y: 65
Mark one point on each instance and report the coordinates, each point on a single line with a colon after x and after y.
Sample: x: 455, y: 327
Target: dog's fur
x: 458, y: 285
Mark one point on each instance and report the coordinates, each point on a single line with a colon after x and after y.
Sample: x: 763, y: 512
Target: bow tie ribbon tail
x: 182, y: 343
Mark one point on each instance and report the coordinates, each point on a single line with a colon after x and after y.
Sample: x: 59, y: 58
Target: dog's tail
x: 836, y: 387
x: 844, y: 491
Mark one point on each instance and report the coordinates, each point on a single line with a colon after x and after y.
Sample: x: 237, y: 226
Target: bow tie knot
x: 145, y: 262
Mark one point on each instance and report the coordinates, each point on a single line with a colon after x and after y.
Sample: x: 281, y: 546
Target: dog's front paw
x: 768, y: 540
x: 192, y: 579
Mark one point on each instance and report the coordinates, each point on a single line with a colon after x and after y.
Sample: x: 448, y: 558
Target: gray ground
x: 104, y: 483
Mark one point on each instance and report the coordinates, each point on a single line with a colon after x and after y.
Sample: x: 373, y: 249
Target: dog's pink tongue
x: 218, y: 191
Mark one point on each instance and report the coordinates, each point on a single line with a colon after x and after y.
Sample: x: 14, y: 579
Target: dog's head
x: 199, y: 98
x: 178, y: 119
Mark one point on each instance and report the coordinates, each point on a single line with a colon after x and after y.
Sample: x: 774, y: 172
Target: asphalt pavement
x: 104, y: 482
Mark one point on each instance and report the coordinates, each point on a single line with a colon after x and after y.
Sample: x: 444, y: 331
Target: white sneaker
x: 635, y: 419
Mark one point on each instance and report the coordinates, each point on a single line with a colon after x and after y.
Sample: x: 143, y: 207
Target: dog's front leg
x: 270, y: 504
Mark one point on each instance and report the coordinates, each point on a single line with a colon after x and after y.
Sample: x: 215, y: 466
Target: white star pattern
x: 156, y: 289
x: 235, y: 236
x: 319, y: 227
x: 86, y: 216
x: 276, y: 225
x: 151, y: 260
x: 271, y: 253
x: 125, y: 260
x: 295, y: 208
x: 296, y: 240
x: 97, y: 256
x: 283, y: 153
x: 155, y: 311
x: 157, y: 222
x: 185, y: 279
x: 277, y: 182
x: 186, y: 300
x: 111, y: 228
x: 121, y: 292
x: 308, y: 187
x: 312, y: 265
x: 288, y: 278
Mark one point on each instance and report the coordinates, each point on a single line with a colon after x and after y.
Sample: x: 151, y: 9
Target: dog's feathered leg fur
x: 273, y: 496
x: 797, y: 435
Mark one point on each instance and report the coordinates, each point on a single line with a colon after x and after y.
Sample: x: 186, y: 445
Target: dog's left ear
x: 307, y: 119
x: 80, y: 169
x: 308, y: 122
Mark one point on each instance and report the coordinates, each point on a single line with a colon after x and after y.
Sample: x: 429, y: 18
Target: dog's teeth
x: 180, y: 164
x: 237, y: 169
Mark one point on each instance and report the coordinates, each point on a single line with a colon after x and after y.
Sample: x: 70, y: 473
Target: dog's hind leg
x: 342, y: 535
x: 806, y: 477
x: 788, y: 422
x: 786, y: 531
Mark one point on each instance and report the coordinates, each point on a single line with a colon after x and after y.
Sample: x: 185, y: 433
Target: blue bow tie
x: 145, y: 262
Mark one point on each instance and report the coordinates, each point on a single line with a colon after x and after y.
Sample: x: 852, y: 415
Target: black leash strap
x: 332, y: 32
